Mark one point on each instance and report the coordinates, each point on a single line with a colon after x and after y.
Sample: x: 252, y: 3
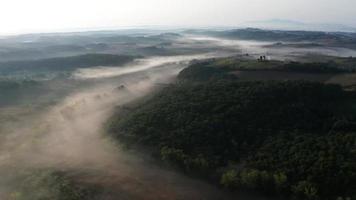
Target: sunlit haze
x: 23, y: 16
x: 177, y: 99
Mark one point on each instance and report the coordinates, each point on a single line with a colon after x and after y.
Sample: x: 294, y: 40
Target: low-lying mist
x: 68, y: 134
x: 139, y: 65
x: 273, y: 49
x: 69, y: 137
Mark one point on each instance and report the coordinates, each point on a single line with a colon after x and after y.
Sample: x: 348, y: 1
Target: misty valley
x: 181, y: 114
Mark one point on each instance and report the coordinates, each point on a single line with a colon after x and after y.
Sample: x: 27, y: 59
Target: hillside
x: 284, y: 138
x: 338, y: 39
x: 66, y: 63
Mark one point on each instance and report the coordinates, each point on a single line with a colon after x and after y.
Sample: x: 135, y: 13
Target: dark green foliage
x: 275, y: 137
x: 291, y: 138
x: 199, y: 72
x: 233, y: 106
x: 329, y: 65
x: 325, y: 162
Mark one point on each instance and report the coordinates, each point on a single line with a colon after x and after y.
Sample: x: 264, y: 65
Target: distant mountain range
x: 282, y: 24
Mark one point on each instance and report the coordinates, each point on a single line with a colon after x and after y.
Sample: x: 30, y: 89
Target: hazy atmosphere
x: 22, y: 16
x: 177, y: 100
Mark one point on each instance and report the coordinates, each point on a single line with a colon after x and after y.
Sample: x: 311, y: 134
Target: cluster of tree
x: 329, y: 66
x: 200, y: 72
x: 305, y: 166
x: 291, y: 138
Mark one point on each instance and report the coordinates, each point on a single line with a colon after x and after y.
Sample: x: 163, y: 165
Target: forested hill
x: 294, y: 139
x: 66, y: 63
x: 330, y: 38
x: 279, y: 35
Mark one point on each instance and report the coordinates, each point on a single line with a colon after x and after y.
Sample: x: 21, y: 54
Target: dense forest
x: 327, y: 65
x: 292, y: 139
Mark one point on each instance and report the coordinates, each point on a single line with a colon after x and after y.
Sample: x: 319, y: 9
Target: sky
x: 24, y: 16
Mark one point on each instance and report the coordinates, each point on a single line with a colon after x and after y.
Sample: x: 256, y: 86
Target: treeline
x: 294, y: 138
x: 15, y: 91
x: 276, y: 35
x: 316, y: 67
x: 338, y: 39
x: 329, y: 66
x: 201, y: 72
x: 66, y: 63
